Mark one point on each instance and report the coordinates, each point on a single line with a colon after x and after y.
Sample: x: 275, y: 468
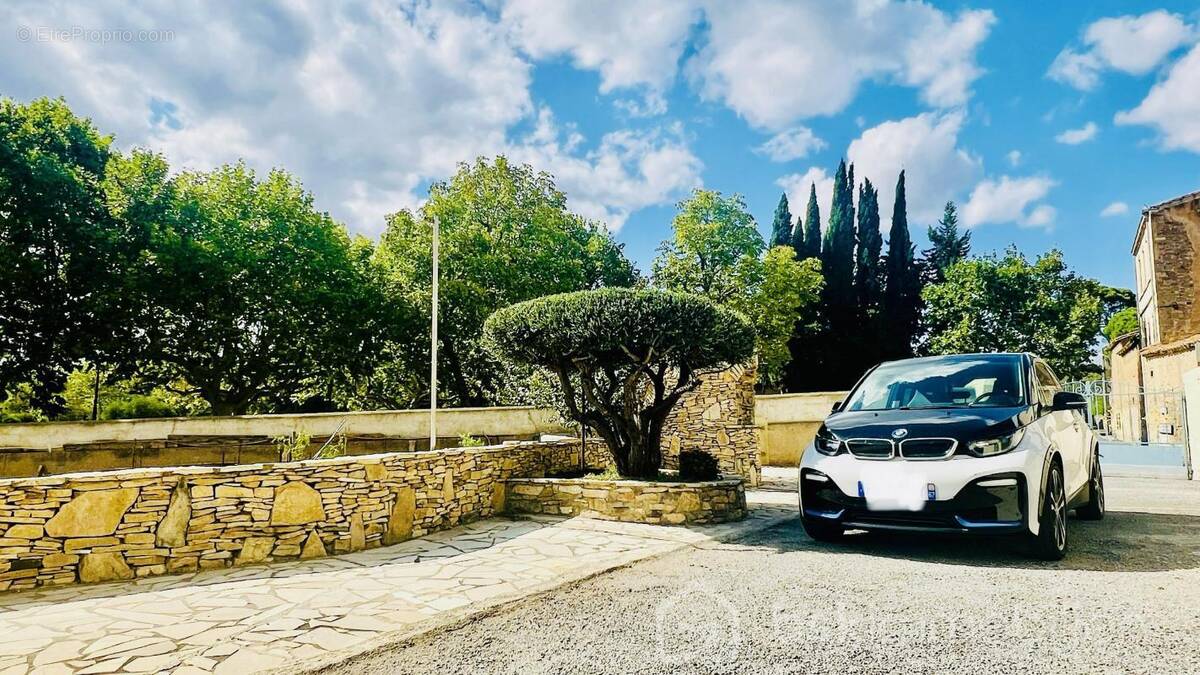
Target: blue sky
x: 1050, y: 124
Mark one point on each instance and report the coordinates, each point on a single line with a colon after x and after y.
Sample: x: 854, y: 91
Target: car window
x: 1047, y: 383
x: 941, y: 382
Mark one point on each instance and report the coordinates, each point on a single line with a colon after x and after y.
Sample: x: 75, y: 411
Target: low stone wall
x: 659, y: 503
x: 126, y: 524
x: 718, y: 418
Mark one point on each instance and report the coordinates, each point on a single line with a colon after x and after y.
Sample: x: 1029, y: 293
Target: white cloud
x: 774, y: 62
x: 628, y: 170
x: 1115, y: 209
x: 365, y: 103
x: 1129, y: 44
x: 1173, y: 107
x: 799, y: 185
x: 1010, y: 200
x: 1014, y: 157
x: 629, y: 43
x: 926, y: 147
x: 1076, y: 136
x: 790, y: 144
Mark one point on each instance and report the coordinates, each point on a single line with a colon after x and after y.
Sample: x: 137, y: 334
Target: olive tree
x: 623, y: 358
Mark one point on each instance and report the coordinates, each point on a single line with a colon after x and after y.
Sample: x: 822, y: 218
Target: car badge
x: 899, y: 433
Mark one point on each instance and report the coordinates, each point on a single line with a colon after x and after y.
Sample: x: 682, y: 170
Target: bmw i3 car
x: 970, y: 443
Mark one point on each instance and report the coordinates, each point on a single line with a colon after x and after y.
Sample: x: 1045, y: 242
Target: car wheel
x: 1094, y: 508
x: 821, y: 531
x: 1051, y: 540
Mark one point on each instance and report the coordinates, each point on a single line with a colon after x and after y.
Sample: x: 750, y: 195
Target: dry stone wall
x: 718, y: 418
x: 123, y: 525
x: 658, y: 503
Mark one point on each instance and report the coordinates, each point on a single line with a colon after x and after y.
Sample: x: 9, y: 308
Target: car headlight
x: 996, y: 446
x: 826, y: 443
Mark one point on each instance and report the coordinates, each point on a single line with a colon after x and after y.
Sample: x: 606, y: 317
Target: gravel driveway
x: 1126, y: 599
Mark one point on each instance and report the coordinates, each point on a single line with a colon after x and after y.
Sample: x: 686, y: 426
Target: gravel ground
x: 1126, y: 599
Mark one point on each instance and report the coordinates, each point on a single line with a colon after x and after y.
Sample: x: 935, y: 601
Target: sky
x: 1049, y: 124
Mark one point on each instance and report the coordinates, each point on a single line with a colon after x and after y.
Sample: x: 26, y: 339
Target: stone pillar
x: 718, y: 418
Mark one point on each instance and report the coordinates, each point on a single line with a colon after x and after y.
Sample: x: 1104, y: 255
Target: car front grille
x: 927, y: 448
x: 870, y: 448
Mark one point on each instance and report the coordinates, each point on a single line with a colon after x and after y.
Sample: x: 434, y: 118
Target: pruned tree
x: 623, y: 358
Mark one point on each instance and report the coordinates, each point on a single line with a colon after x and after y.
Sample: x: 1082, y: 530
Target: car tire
x: 821, y: 531
x: 1050, y: 543
x: 1094, y: 508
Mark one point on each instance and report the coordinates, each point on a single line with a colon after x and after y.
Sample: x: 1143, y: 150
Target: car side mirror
x: 837, y: 407
x: 1065, y: 400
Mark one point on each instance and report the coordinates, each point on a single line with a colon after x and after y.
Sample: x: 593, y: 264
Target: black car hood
x: 964, y: 424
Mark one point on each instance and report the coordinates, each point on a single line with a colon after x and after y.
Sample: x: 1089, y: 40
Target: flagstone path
x: 258, y: 618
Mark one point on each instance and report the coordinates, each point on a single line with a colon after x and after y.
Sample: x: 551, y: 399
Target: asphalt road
x: 1126, y: 599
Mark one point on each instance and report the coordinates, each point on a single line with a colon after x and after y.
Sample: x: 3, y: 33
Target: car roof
x: 991, y: 356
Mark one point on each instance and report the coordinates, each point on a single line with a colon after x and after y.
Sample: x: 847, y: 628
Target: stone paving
x: 257, y: 618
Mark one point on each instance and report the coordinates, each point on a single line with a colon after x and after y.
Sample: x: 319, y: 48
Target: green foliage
x: 506, y: 236
x: 697, y: 465
x: 137, y: 407
x: 781, y: 227
x: 64, y: 260
x: 609, y: 473
x: 1006, y: 303
x: 948, y: 246
x: 468, y: 441
x: 868, y: 278
x: 623, y: 358
x: 717, y: 252
x: 901, y: 311
x: 18, y: 407
x: 1121, y: 323
x: 807, y: 239
x: 837, y: 253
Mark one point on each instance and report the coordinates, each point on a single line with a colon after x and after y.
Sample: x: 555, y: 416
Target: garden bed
x: 653, y: 502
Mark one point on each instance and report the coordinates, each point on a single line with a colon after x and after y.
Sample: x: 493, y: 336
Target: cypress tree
x: 781, y: 228
x: 837, y: 250
x: 807, y: 240
x: 902, y: 282
x: 867, y: 278
x: 948, y: 247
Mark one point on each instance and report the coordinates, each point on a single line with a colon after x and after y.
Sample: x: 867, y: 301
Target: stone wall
x: 658, y: 503
x: 121, y: 525
x: 1125, y: 404
x: 1176, y: 233
x: 718, y: 418
x: 1163, y: 367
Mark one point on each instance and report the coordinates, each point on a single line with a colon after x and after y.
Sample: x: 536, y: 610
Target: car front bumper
x: 990, y: 495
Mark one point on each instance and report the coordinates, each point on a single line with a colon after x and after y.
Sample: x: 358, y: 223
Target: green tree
x: 716, y: 252
x: 868, y: 278
x: 807, y: 239
x: 948, y: 246
x: 64, y: 261
x: 506, y: 235
x: 1006, y: 303
x: 781, y: 227
x: 901, y: 311
x: 622, y: 358
x: 255, y: 292
x: 837, y: 251
x: 1121, y: 323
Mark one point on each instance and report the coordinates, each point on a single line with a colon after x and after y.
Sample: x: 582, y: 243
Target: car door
x: 1066, y: 429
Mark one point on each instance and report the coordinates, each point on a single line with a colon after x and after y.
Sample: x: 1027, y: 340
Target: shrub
x: 469, y: 441
x: 136, y: 407
x: 697, y: 465
x: 623, y: 358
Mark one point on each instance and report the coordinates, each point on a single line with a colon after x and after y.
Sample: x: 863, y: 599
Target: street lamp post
x: 433, y: 345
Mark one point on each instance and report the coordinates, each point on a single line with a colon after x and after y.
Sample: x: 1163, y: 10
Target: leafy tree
x: 506, y: 235
x: 623, y: 358
x: 255, y: 292
x: 63, y: 258
x: 1006, y: 303
x: 837, y: 251
x: 902, y: 283
x: 716, y: 252
x: 807, y: 239
x: 948, y: 246
x: 1121, y: 323
x: 781, y: 228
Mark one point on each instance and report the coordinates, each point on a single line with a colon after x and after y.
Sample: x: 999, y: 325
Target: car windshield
x: 958, y: 382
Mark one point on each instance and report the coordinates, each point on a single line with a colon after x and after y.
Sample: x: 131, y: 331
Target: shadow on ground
x: 1122, y: 542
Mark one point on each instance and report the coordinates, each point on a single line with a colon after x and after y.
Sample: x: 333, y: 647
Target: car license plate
x: 886, y: 489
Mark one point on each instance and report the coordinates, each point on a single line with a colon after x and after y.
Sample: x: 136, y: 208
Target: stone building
x: 1166, y: 256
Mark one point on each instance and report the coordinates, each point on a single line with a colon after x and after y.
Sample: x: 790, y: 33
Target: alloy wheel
x: 1058, y: 506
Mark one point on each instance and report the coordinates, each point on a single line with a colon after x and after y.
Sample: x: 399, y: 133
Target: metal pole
x: 433, y: 345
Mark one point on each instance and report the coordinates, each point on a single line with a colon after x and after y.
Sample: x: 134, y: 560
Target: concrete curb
x: 464, y: 615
